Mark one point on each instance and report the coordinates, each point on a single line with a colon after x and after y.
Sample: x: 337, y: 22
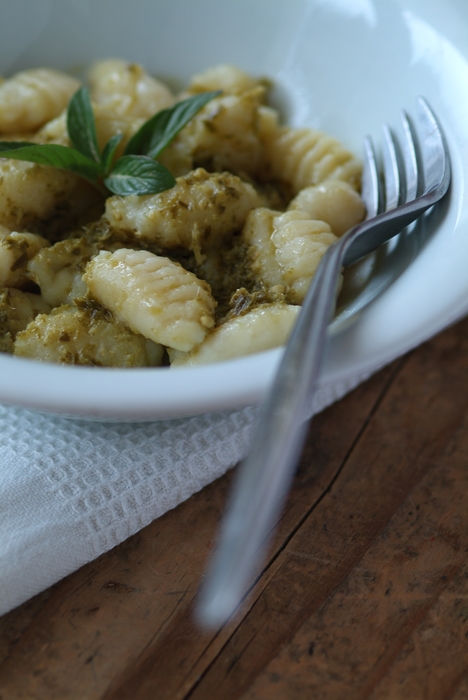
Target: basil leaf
x: 157, y: 133
x: 10, y: 145
x: 52, y: 154
x: 81, y: 125
x: 108, y: 152
x: 138, y: 175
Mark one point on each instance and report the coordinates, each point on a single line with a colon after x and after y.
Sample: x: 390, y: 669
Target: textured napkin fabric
x: 71, y: 490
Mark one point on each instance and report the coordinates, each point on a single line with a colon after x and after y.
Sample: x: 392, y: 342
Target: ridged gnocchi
x: 16, y: 249
x: 33, y: 97
x: 201, y: 208
x: 17, y: 310
x: 304, y: 157
x: 224, y: 135
x: 285, y: 249
x: 229, y: 79
x: 58, y: 270
x: 38, y: 197
x: 152, y: 296
x: 333, y: 201
x: 85, y: 336
x: 127, y: 89
x: 262, y: 328
x: 213, y: 268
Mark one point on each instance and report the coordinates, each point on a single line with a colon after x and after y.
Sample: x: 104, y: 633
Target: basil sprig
x: 136, y: 172
x: 158, y: 132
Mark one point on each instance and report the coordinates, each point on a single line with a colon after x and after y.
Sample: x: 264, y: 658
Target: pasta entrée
x: 211, y: 268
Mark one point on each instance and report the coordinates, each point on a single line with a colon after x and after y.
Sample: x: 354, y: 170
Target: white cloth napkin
x: 71, y: 490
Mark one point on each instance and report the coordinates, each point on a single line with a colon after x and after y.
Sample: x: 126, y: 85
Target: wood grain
x: 364, y: 594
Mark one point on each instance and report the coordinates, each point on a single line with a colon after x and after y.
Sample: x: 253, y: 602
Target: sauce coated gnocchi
x: 214, y: 268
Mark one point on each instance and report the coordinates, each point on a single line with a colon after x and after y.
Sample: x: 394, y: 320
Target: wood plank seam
x: 399, y: 365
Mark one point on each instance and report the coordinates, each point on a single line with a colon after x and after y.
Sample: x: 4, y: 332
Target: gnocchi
x: 285, y: 249
x: 201, y: 208
x: 33, y: 97
x: 214, y: 268
x: 127, y: 89
x: 153, y: 296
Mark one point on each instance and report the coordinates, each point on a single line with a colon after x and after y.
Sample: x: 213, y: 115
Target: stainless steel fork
x: 416, y: 176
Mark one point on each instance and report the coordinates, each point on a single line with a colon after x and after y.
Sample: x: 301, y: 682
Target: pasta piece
x: 85, y: 336
x: 109, y: 123
x: 268, y: 128
x: 196, y: 212
x: 33, y: 97
x: 224, y: 135
x: 224, y: 77
x: 303, y: 157
x: 58, y: 270
x: 260, y: 329
x: 32, y: 194
x: 127, y: 89
x: 16, y: 249
x: 54, y: 131
x: 153, y: 296
x: 285, y: 249
x: 17, y: 309
x: 334, y: 201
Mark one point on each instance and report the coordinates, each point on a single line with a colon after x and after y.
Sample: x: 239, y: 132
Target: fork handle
x: 263, y: 479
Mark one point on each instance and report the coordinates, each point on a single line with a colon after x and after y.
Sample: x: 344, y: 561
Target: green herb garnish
x: 138, y: 175
x: 136, y: 172
x: 158, y: 132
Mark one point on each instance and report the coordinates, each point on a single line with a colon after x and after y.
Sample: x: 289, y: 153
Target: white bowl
x: 343, y: 66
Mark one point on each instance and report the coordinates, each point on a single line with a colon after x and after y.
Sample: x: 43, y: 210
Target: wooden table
x: 365, y: 594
